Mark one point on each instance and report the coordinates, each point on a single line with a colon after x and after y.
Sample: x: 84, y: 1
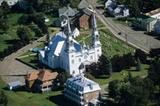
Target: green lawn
x: 121, y: 75
x: 110, y: 45
x: 7, y: 39
x: 24, y: 98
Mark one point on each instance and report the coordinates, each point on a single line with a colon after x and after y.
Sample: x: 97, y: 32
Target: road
x: 137, y: 39
x: 13, y: 70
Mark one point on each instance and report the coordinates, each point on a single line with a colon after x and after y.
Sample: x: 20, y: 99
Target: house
x: 154, y: 13
x: 82, y: 91
x: 110, y: 4
x: 67, y: 11
x: 10, y: 2
x: 157, y: 27
x: 82, y: 20
x: 40, y: 81
x: 146, y: 24
x: 83, y: 4
x: 118, y: 11
x: 14, y: 85
x: 64, y: 52
x: 121, y: 11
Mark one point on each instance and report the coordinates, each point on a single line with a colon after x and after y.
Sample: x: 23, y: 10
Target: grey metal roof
x: 67, y: 11
x: 15, y: 83
x: 83, y: 4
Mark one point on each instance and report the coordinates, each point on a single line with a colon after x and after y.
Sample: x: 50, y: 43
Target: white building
x: 121, y: 11
x: 154, y: 13
x: 118, y: 11
x: 157, y: 27
x: 110, y: 4
x: 82, y: 90
x: 65, y: 52
x: 10, y: 2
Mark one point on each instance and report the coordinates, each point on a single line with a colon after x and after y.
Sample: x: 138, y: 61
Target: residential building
x: 110, y: 5
x: 67, y: 11
x: 10, y: 2
x: 83, y: 4
x: 118, y: 11
x: 157, y: 27
x: 40, y: 81
x: 82, y: 91
x: 121, y: 11
x: 64, y: 52
x: 82, y: 20
x: 154, y: 13
x: 14, y: 85
x: 146, y: 24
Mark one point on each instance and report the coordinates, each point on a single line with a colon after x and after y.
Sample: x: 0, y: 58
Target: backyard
x: 24, y: 98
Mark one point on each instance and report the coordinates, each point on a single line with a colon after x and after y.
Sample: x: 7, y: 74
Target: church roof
x: 57, y: 44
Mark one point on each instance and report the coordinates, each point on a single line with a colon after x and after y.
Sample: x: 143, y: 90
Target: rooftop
x: 82, y: 84
x: 44, y: 75
x: 153, y: 12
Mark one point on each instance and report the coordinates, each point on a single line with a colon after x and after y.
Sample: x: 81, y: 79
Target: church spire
x: 95, y: 33
x: 94, y: 22
x: 69, y: 39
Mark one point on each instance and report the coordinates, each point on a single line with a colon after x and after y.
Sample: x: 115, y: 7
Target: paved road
x: 136, y: 39
x: 11, y: 69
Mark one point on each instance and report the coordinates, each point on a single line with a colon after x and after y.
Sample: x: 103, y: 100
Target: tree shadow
x: 20, y: 89
x: 13, y: 41
x: 60, y: 100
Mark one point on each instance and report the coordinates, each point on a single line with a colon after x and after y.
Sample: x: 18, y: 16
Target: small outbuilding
x: 14, y: 85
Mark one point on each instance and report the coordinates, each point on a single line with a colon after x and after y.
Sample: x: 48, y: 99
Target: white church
x: 64, y: 52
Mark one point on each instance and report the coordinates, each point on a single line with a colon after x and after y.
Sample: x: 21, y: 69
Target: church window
x: 85, y: 56
x: 72, y: 61
x: 79, y: 59
x: 97, y: 50
x: 91, y: 57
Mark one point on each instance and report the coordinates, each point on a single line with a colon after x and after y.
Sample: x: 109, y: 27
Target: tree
x: 3, y: 25
x: 3, y: 99
x: 5, y: 7
x: 62, y: 78
x: 24, y: 20
x: 132, y: 92
x: 25, y: 34
x: 50, y: 5
x: 154, y: 71
x: 138, y: 66
x: 74, y: 3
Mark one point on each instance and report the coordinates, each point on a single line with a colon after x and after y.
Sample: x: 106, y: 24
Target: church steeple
x: 95, y: 33
x: 69, y: 39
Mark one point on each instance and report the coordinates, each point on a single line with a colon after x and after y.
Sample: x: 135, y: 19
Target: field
x: 7, y: 39
x: 121, y: 75
x: 24, y: 98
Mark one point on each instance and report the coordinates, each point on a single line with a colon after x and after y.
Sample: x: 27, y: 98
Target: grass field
x: 110, y: 45
x: 7, y: 39
x: 24, y: 98
x: 121, y: 75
